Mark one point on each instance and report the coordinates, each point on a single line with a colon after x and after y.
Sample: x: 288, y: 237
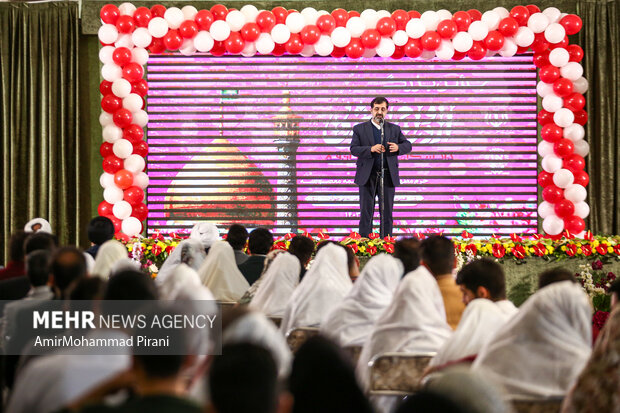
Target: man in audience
x: 15, y: 266
x: 483, y: 278
x: 40, y: 241
x: 237, y: 237
x: 614, y: 292
x: 302, y: 247
x: 555, y: 275
x: 100, y: 229
x: 260, y: 242
x: 407, y: 250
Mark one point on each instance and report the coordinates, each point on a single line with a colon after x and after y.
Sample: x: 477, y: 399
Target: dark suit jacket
x: 252, y: 268
x: 363, y: 140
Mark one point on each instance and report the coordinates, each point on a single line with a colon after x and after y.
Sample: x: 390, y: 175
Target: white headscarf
x: 220, y: 274
x: 479, y: 322
x: 325, y: 284
x: 350, y: 322
x: 277, y: 286
x: 205, y: 232
x: 414, y: 322
x: 45, y: 225
x: 109, y: 253
x: 543, y: 348
x: 195, y: 257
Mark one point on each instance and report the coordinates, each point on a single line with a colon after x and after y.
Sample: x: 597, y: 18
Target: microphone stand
x: 381, y: 184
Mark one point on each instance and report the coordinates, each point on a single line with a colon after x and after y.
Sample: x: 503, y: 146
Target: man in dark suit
x: 367, y: 147
x: 260, y: 242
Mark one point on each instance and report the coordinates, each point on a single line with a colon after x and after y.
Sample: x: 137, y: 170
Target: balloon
x: 111, y: 72
x: 112, y: 133
x: 104, y: 208
x: 106, y: 180
x: 551, y: 164
x: 324, y: 47
x: 122, y: 148
x: 524, y: 37
x: 582, y: 209
x: 355, y: 26
x: 413, y: 48
x: 574, y: 132
x: 582, y: 148
x: 575, y: 193
x: 121, y: 209
x: 111, y: 103
x: 326, y: 24
x: 173, y: 40
x: 401, y: 18
x: 415, y: 28
x: 133, y: 102
x: 133, y: 195
x: 121, y: 55
x: 544, y: 117
x: 105, y: 119
x: 158, y: 27
x: 545, y: 209
x: 141, y: 180
x: 563, y: 147
x: 386, y: 26
x: 122, y: 117
x: 564, y: 208
x: 572, y: 71
x: 478, y: 30
x: 234, y: 44
x: 581, y: 117
x: 559, y: 57
x: 157, y: 46
x: 112, y: 194
x: 139, y: 211
x: 123, y: 178
x: 430, y: 19
x: 141, y: 37
x: 158, y: 10
x: 553, y: 225
x: 574, y: 163
x: 430, y: 41
x: 494, y: 41
x: 571, y: 23
x: 562, y: 44
x: 545, y: 179
x: 508, y: 26
x: 538, y: 22
x: 581, y: 178
x: 386, y: 47
x: 294, y: 45
x: 236, y: 20
x: 462, y: 20
x: 281, y: 34
x: 140, y: 148
x: 134, y: 163
x: 540, y: 44
x: 139, y: 88
x: 109, y: 14
x: 443, y: 14
x: 279, y: 14
x: 112, y: 164
x: 250, y: 32
x: 142, y: 16
x: 107, y: 34
x: 477, y: 51
x: 563, y: 178
x: 340, y: 37
x: 354, y: 49
x: 279, y: 50
x: 188, y: 29
x: 400, y: 38
x: 445, y: 50
x: 204, y: 19
x: 264, y: 44
x: 532, y: 8
x: 575, y: 53
x: 250, y: 12
x: 545, y: 148
x: 371, y: 38
x: 131, y: 226
x: 219, y: 12
x: 447, y: 29
x: 521, y: 14
x: 552, y: 194
x: 554, y: 33
x: 310, y: 34
x: 563, y: 117
x: 574, y: 224
x: 203, y: 42
x: 219, y: 30
x: 462, y: 42
x: 133, y: 72
x: 549, y: 74
x: 125, y: 24
x: 105, y: 149
x: 552, y: 103
x: 133, y: 133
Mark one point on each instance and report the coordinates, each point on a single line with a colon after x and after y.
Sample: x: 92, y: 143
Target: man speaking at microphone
x: 368, y: 147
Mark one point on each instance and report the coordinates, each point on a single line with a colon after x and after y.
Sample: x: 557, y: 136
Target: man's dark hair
x: 379, y: 100
x: 40, y: 241
x: 301, y: 247
x: 16, y: 246
x: 128, y: 285
x: 87, y: 289
x: 484, y: 273
x: 244, y: 379
x: 38, y: 267
x: 614, y: 288
x: 407, y: 250
x: 555, y: 275
x: 260, y: 241
x: 437, y: 252
x: 100, y: 230
x: 67, y: 265
x: 237, y: 236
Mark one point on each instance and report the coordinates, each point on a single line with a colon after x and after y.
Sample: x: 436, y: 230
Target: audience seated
x: 351, y: 321
x: 38, y: 225
x: 189, y: 252
x: 541, y: 350
x: 277, y: 285
x: 205, y: 232
x: 303, y: 248
x: 237, y: 237
x: 407, y: 250
x: 15, y: 266
x: 248, y: 296
x: 555, y: 275
x: 260, y: 242
x: 220, y: 274
x: 40, y: 241
x: 108, y: 255
x: 100, y: 230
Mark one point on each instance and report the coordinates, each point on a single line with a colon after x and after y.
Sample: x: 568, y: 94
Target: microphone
x: 380, y: 120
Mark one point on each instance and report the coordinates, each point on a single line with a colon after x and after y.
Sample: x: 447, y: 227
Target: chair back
x: 397, y: 374
x: 553, y: 405
x: 295, y: 337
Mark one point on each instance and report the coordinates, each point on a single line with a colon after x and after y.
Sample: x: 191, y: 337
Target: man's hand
x: 378, y: 148
x: 393, y: 147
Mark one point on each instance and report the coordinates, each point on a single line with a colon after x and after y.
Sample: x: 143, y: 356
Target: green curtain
x: 43, y: 157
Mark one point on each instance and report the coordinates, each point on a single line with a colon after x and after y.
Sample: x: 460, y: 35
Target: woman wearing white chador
x: 350, y: 322
x: 219, y: 273
x: 189, y: 251
x: 277, y: 285
x: 325, y: 284
x: 108, y: 255
x: 543, y: 348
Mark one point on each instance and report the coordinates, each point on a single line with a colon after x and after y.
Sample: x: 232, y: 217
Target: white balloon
x: 324, y: 47
x: 582, y: 210
x: 580, y: 85
x: 107, y: 33
x: 112, y: 133
x: 427, y: 54
x: 121, y: 209
x: 112, y: 194
x: 131, y: 226
x: 554, y: 33
x: 265, y: 44
x: 106, y: 118
x: 133, y: 102
x: 356, y: 26
x: 430, y: 19
x: 386, y: 47
x: 559, y: 57
x: 545, y: 148
x: 509, y: 49
x: 307, y: 51
x: 415, y: 28
x: 400, y: 38
x: 281, y: 33
x: 295, y: 22
x: 543, y: 89
x: 538, y: 22
x: 141, y: 180
x: 310, y: 15
x: 368, y: 53
x: 491, y: 19
x: 478, y: 30
x: 158, y: 27
x: 134, y: 163
x: 563, y: 178
x: 139, y: 56
x: 322, y: 13
x: 383, y: 13
x: 122, y: 148
x: 582, y: 148
x: 219, y: 30
x: 575, y: 193
x: 124, y: 40
x: 250, y: 12
x: 444, y: 14
x: 235, y: 20
x: 553, y: 225
x: 121, y: 88
x: 552, y: 13
x: 524, y: 37
x: 341, y: 37
x: 550, y: 163
x: 106, y: 180
x: 563, y: 117
x: 105, y: 54
x: 552, y: 103
x: 141, y: 37
x: 445, y: 50
x: 140, y: 118
x: 574, y: 132
x: 545, y: 209
x: 127, y: 9
x: 174, y: 17
x: 572, y: 71
x: 187, y: 47
x: 203, y: 42
x: 111, y: 72
x: 462, y: 42
x: 370, y: 18
x: 502, y: 12
x: 189, y: 12
x: 249, y: 50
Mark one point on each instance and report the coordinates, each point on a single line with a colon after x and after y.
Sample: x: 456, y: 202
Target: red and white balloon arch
x: 128, y: 34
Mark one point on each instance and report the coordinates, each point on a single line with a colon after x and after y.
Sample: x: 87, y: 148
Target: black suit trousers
x: 368, y: 193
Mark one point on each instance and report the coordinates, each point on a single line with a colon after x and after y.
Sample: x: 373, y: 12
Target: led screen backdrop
x: 265, y: 141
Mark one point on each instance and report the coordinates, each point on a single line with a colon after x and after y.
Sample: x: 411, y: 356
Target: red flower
x: 372, y: 250
x: 466, y: 235
x: 289, y: 236
x: 156, y: 250
x: 354, y: 235
x: 568, y: 235
x: 307, y: 234
x: 617, y: 249
x: 389, y: 248
x: 571, y: 250
x: 373, y: 235
x: 280, y: 245
x: 420, y: 235
x: 323, y: 235
x: 471, y: 248
x: 600, y: 318
x: 353, y: 247
x: 539, y: 249
x: 589, y: 236
x: 602, y: 249
x: 495, y: 236
x: 389, y: 238
x: 537, y: 236
x: 519, y: 252
x: 515, y: 238
x: 586, y: 249
x: 498, y: 250
x: 169, y: 249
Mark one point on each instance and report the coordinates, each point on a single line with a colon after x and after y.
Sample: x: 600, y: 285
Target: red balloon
x: 571, y: 23
x: 413, y: 48
x: 341, y: 16
x: 279, y: 49
x: 574, y: 163
x: 386, y: 26
x: 540, y: 44
x: 522, y: 49
x: 401, y: 18
x: 173, y: 40
x: 109, y: 14
x: 563, y: 87
x: 474, y: 14
x: 338, y: 52
x: 549, y: 74
x: 545, y: 179
x: 447, y: 29
x: 122, y: 117
x: 140, y: 148
x: 564, y: 147
x: 204, y: 19
x: 532, y: 8
x: 521, y: 14
x: 218, y: 48
x: 354, y: 13
x: 575, y: 53
x: 294, y: 45
x: 280, y: 13
x: 354, y: 49
x: 560, y: 45
x: 104, y: 208
x: 551, y: 132
x: 310, y: 34
x: 564, y: 208
x: 541, y: 59
x: 139, y: 211
x: 111, y: 103
x: 123, y: 178
x: 105, y: 87
x: 250, y: 32
x: 142, y: 16
x: 219, y: 12
x: 581, y: 117
x: 553, y: 194
x: 133, y: 195
x: 188, y: 29
x: 458, y: 55
x: 133, y: 72
x: 117, y: 223
x: 414, y: 14
x: 133, y: 133
x: 430, y: 41
x: 121, y: 56
x: 494, y: 41
x: 371, y: 38
x: 125, y: 24
x: 477, y: 51
x: 106, y: 149
x: 157, y: 46
x: 112, y: 164
x: 574, y: 224
x: 462, y: 20
x: 508, y: 26
x: 581, y: 178
x: 158, y: 10
x: 265, y: 20
x: 399, y: 52
x: 141, y: 87
x: 234, y: 44
x: 326, y: 23
x: 545, y: 117
x: 574, y: 102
